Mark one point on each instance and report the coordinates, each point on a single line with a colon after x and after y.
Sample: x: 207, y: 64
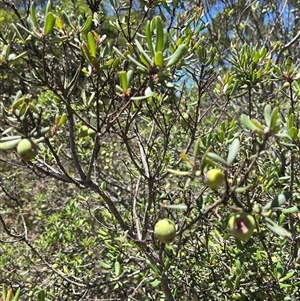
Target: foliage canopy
x: 112, y: 113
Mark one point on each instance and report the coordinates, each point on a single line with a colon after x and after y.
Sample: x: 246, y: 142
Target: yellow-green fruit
x: 91, y: 133
x: 83, y: 131
x: 27, y: 149
x: 165, y: 230
x: 241, y: 225
x: 214, y: 178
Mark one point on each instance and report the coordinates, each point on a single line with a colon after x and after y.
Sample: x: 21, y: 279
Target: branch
x: 287, y: 45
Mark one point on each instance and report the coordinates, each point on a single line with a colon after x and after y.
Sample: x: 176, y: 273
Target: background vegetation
x: 168, y: 90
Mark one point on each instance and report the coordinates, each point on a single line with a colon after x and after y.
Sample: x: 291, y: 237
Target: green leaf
x: 17, y: 57
x: 293, y: 209
x: 41, y: 295
x: 249, y: 124
x: 137, y: 63
x: 288, y: 63
x: 274, y: 118
x: 287, y: 276
x: 104, y: 265
x: 159, y: 35
x: 66, y: 19
x: 293, y: 132
x: 87, y: 25
x: 48, y: 7
x: 91, y: 44
x: 49, y: 23
x: 243, y: 189
x: 119, y: 52
x: 276, y: 228
x: 153, y: 267
x: 233, y: 150
x: 145, y: 56
x: 267, y: 115
x: 62, y: 120
x: 180, y: 172
x: 155, y: 283
x: 217, y: 158
x: 158, y: 59
x: 7, y: 145
x: 129, y: 76
x: 118, y: 269
x: 10, y: 138
x: 278, y: 270
x: 148, y: 33
x: 123, y: 80
x: 197, y: 149
x: 177, y: 55
x: 278, y: 200
x: 33, y: 14
x: 290, y: 121
x: 179, y: 206
x: 17, y: 295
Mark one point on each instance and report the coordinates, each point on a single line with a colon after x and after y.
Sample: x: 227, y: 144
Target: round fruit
x: 83, y: 132
x: 241, y: 225
x: 27, y: 149
x: 214, y: 178
x: 165, y: 230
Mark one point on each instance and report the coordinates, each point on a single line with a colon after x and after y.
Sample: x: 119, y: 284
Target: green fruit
x: 165, y: 230
x: 91, y: 133
x: 214, y: 178
x: 27, y: 149
x: 83, y: 131
x: 241, y: 225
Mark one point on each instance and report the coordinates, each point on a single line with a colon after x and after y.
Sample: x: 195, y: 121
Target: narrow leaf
x: 87, y: 25
x: 217, y: 158
x: 41, y: 295
x: 233, y: 150
x: 129, y: 76
x: 159, y: 35
x: 66, y: 19
x: 118, y: 269
x: 179, y: 206
x: 10, y: 138
x: 294, y: 209
x: 177, y: 55
x: 9, y: 144
x: 123, y: 80
x: 249, y: 124
x: 197, y: 149
x: 179, y: 172
x: 148, y: 33
x: 48, y: 7
x: 287, y: 276
x: 104, y: 265
x: 274, y: 118
x: 49, y: 23
x: 91, y: 44
x: 17, y: 295
x: 62, y: 120
x: 276, y: 228
x: 17, y: 57
x: 137, y: 63
x: 158, y: 59
x: 143, y: 52
x: 278, y: 200
x: 267, y: 115
x: 33, y: 14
